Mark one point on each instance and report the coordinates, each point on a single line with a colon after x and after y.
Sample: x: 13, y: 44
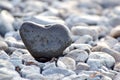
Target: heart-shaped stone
x: 45, y: 42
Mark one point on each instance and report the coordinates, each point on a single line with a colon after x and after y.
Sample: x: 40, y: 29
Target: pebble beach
x: 59, y: 39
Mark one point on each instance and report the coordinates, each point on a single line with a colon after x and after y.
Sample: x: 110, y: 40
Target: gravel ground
x: 76, y: 40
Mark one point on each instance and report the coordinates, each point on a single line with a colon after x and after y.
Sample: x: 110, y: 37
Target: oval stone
x: 45, y: 42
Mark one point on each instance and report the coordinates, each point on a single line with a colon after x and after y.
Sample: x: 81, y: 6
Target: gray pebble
x: 7, y: 74
x: 78, y: 55
x: 80, y: 30
x: 26, y: 70
x: 3, y: 45
x: 6, y: 64
x: 68, y: 63
x: 58, y: 70
x: 6, y: 22
x: 98, y: 59
x: 45, y: 41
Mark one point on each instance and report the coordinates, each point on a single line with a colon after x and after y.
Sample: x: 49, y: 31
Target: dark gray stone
x: 45, y: 41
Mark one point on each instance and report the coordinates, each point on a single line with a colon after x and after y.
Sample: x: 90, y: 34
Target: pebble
x: 5, y: 5
x: 26, y: 70
x: 81, y: 66
x: 3, y: 45
x: 14, y: 34
x: 78, y: 55
x: 6, y: 22
x: 98, y: 59
x: 43, y: 20
x: 84, y: 30
x: 50, y: 45
x: 116, y: 47
x: 115, y: 32
x: 88, y: 48
x: 58, y: 70
x: 67, y: 62
x: 7, y: 74
x: 73, y: 20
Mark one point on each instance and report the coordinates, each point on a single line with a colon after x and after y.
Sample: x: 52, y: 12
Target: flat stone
x: 45, y: 41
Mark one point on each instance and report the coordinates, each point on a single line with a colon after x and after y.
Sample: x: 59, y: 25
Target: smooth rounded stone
x: 78, y: 55
x: 14, y: 34
x: 84, y: 30
x: 27, y: 57
x: 6, y: 64
x: 7, y: 74
x: 98, y: 59
x: 117, y: 77
x: 76, y: 77
x: 84, y: 39
x: 48, y: 65
x: 75, y: 37
x: 4, y: 55
x: 6, y: 20
x: 6, y: 5
x: 114, y: 21
x: 16, y: 44
x: 16, y: 61
x: 73, y: 20
x: 113, y: 53
x: 115, y: 32
x: 35, y: 76
x: 81, y: 66
x: 45, y: 41
x: 68, y: 62
x: 116, y: 47
x: 37, y: 7
x: 3, y: 45
x: 44, y: 20
x: 84, y: 47
x: 57, y: 70
x: 110, y: 41
x: 116, y: 10
x: 26, y: 70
